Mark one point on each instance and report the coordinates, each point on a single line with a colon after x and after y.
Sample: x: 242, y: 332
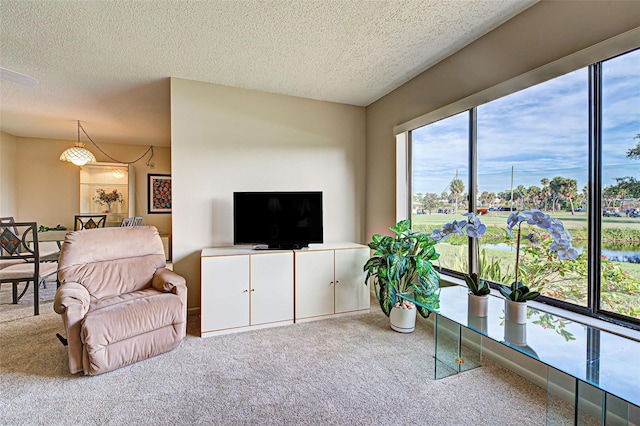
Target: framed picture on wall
x: 159, y: 193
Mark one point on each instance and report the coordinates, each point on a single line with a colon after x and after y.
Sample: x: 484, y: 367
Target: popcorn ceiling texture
x: 108, y: 62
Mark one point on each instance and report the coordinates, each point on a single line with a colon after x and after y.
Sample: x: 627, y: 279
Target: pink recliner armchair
x: 118, y: 301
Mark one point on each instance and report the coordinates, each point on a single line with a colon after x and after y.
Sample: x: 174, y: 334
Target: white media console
x: 244, y: 289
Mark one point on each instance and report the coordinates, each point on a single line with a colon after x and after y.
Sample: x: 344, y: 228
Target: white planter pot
x: 403, y: 320
x: 515, y: 333
x: 477, y: 323
x: 478, y: 305
x: 515, y: 311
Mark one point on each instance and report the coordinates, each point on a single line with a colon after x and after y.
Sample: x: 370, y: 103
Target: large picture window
x: 538, y: 148
x: 440, y: 183
x: 620, y: 219
x: 533, y: 154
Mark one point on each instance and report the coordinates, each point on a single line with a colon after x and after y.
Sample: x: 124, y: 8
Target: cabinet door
x: 351, y: 292
x: 271, y: 288
x: 224, y: 292
x: 314, y: 283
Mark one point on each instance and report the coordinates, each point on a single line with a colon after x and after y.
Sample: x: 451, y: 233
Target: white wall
x: 227, y: 139
x: 8, y: 173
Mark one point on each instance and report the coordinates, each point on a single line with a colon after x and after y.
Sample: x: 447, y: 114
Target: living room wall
x: 8, y: 147
x: 47, y: 189
x: 544, y: 33
x: 227, y: 139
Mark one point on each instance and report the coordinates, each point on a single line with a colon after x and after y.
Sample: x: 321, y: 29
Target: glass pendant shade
x: 117, y: 173
x: 78, y: 155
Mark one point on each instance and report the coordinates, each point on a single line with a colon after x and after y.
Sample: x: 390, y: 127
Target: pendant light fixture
x: 78, y: 155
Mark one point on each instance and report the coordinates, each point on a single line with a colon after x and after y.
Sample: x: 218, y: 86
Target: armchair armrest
x: 167, y: 281
x: 72, y: 302
x: 71, y: 297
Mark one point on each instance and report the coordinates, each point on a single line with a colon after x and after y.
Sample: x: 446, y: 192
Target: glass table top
x: 600, y: 358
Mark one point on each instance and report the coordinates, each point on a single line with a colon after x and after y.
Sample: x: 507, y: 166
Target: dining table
x: 52, y: 236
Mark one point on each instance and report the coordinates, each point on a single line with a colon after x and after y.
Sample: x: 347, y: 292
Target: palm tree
x: 546, y: 192
x: 430, y: 201
x: 565, y: 188
x: 456, y: 187
x: 487, y: 198
x: 534, y: 196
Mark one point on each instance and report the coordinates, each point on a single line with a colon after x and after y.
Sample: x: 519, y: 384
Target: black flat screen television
x: 277, y: 220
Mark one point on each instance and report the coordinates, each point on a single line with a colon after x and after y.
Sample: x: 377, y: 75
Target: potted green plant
x: 516, y: 294
x: 402, y: 272
x: 478, y: 296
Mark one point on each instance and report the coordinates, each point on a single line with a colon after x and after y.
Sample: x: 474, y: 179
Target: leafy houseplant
x: 474, y: 229
x: 478, y: 288
x: 401, y: 265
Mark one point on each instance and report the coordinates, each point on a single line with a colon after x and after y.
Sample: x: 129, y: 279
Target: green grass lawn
x: 619, y: 233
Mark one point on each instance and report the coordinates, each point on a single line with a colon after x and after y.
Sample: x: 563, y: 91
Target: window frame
x: 605, y: 51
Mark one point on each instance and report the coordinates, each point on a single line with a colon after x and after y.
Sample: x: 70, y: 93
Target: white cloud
x: 541, y: 131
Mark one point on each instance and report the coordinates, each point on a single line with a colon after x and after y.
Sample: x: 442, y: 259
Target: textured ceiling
x: 107, y: 63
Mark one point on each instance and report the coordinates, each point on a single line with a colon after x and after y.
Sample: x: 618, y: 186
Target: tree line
x: 556, y: 194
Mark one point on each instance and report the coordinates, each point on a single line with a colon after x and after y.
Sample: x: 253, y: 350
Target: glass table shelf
x: 595, y: 371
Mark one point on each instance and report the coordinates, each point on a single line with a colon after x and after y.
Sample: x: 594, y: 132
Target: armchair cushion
x: 113, y: 334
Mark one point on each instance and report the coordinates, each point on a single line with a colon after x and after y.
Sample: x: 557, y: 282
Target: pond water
x: 628, y: 256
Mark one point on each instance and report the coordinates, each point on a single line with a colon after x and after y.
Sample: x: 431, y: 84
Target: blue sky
x: 540, y: 131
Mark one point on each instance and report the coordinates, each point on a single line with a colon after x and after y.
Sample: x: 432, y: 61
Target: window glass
x: 440, y: 155
x: 533, y: 154
x: 620, y: 219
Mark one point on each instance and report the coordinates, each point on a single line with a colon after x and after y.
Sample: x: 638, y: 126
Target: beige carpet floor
x: 347, y: 371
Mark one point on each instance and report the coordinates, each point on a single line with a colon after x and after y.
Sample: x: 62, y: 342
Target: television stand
x: 268, y: 288
x: 291, y: 246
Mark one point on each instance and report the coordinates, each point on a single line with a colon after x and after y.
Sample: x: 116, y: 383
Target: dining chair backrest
x: 19, y: 246
x: 89, y: 221
x: 10, y: 223
x: 131, y: 221
x: 19, y: 240
x: 8, y: 220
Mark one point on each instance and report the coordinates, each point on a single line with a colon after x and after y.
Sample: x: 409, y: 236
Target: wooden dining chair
x: 89, y: 221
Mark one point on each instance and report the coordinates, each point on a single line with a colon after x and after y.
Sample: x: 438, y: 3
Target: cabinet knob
x: 253, y: 289
x: 245, y: 291
x: 337, y: 281
x: 331, y: 283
